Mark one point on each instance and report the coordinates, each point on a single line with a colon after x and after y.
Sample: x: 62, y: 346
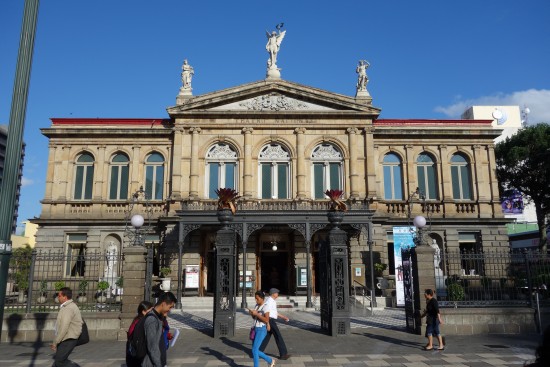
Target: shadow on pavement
x: 221, y: 357
x: 395, y: 341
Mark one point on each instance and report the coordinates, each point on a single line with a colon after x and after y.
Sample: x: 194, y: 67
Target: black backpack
x: 138, y: 341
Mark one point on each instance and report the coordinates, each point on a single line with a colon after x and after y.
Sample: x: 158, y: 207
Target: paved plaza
x: 378, y: 340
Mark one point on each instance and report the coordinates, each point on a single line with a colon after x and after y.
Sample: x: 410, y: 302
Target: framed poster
x: 301, y: 278
x: 249, y: 279
x: 192, y: 276
x: 402, y: 239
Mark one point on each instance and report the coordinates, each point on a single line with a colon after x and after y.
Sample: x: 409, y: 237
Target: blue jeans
x: 261, y: 332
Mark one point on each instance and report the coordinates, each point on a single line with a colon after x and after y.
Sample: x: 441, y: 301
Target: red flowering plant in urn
x: 226, y: 199
x: 335, y: 203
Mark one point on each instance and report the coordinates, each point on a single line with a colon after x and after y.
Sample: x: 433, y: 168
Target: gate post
x: 224, y: 299
x: 134, y: 274
x: 424, y: 278
x: 335, y: 308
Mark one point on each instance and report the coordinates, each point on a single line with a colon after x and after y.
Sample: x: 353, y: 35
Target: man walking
x: 67, y: 328
x: 153, y: 325
x: 271, y: 307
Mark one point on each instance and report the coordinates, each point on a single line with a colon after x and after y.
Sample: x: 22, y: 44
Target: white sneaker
x: 272, y: 363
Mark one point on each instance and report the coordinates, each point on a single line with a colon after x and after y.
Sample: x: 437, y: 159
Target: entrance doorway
x: 275, y: 271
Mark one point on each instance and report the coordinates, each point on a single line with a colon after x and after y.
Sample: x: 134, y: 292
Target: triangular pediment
x: 272, y: 97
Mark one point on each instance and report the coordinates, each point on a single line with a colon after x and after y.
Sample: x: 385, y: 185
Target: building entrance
x: 275, y: 271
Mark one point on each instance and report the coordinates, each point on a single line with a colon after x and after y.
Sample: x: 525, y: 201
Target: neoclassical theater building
x: 281, y: 145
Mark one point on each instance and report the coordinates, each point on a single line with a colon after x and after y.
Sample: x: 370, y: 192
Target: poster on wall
x: 512, y: 202
x: 192, y: 276
x: 402, y: 239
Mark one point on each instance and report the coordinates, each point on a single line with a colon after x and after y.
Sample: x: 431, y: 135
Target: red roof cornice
x: 417, y: 122
x: 107, y: 121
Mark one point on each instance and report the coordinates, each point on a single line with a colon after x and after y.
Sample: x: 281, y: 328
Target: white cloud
x: 537, y: 100
x: 26, y: 181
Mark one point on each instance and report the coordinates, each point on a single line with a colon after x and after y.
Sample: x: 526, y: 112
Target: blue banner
x: 403, y: 238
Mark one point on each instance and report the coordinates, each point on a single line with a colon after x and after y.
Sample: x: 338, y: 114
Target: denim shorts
x: 432, y: 329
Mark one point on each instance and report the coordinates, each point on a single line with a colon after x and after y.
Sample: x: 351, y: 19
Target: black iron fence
x: 35, y: 277
x: 493, y: 278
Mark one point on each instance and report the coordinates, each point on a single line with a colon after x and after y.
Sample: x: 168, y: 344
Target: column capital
x: 409, y: 146
x: 300, y: 130
x: 443, y: 146
x: 195, y: 130
x: 101, y: 146
x: 369, y: 130
x: 352, y: 130
x: 247, y: 130
x: 178, y: 129
x: 476, y: 147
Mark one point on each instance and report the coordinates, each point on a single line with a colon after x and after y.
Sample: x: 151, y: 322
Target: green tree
x: 523, y: 163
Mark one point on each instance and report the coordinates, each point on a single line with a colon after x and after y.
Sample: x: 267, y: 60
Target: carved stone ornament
x: 274, y: 151
x: 222, y: 151
x: 273, y: 102
x: 326, y: 152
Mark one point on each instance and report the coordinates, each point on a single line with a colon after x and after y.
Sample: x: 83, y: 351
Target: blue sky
x: 429, y: 59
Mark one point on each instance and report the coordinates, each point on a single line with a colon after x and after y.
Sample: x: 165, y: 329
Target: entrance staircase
x: 292, y: 303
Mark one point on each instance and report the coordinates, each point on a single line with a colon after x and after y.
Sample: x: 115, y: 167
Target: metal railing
x: 494, y: 278
x: 364, y: 294
x: 35, y: 277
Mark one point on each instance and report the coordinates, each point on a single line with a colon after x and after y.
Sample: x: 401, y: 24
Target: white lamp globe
x: 274, y: 248
x: 419, y: 221
x: 137, y: 221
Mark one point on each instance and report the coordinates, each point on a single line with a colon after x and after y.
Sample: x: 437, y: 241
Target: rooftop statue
x: 187, y: 73
x: 273, y: 46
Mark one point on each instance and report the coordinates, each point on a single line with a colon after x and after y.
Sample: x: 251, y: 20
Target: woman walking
x: 261, y: 323
x: 142, y: 310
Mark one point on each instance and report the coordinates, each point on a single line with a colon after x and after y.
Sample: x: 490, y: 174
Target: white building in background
x: 509, y: 119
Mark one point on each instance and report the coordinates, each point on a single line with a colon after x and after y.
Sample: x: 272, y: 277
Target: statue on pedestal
x: 187, y: 73
x: 362, y: 79
x: 274, y: 40
x: 437, y: 257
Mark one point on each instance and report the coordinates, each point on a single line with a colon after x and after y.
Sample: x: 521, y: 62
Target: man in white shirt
x: 271, y: 307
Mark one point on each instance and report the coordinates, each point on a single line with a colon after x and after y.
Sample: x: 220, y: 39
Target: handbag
x: 252, y: 333
x: 84, y: 336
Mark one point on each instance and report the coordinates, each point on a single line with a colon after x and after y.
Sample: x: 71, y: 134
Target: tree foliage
x: 523, y: 163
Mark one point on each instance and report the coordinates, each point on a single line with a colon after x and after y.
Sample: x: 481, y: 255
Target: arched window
x: 274, y: 175
x: 427, y: 179
x: 84, y: 177
x: 154, y: 176
x: 118, y: 189
x: 221, y: 169
x: 460, y: 175
x: 393, y: 180
x: 326, y: 170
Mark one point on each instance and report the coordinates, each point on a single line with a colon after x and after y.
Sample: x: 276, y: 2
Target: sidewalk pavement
x: 366, y: 346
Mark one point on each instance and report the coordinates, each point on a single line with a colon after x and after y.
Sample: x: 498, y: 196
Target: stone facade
x: 284, y: 143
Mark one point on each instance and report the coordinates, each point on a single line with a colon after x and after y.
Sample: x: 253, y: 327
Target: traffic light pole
x: 12, y: 162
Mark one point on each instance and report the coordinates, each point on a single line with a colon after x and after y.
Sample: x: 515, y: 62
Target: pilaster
x: 301, y: 164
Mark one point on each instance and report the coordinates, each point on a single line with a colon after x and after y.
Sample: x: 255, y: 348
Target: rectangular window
x: 266, y: 181
x: 230, y: 175
x: 149, y: 181
x: 159, y: 179
x: 464, y: 175
x: 456, y: 183
x: 388, y: 193
x: 430, y: 192
x: 214, y: 180
x: 124, y: 183
x: 318, y: 180
x: 282, y: 181
x: 89, y: 182
x: 114, y: 183
x: 75, y: 264
x: 398, y: 190
x: 79, y: 180
x: 335, y: 176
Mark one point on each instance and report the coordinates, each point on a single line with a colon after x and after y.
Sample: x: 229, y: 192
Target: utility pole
x: 15, y: 141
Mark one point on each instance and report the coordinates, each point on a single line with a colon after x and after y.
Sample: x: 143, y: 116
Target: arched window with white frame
x: 326, y: 170
x: 427, y: 178
x: 221, y: 169
x: 118, y: 187
x: 461, y: 179
x: 393, y: 177
x: 154, y: 176
x: 274, y: 172
x: 84, y: 177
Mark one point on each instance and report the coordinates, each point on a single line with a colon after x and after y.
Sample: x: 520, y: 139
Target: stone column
x: 50, y: 174
x: 224, y: 296
x: 301, y: 163
x: 63, y: 187
x: 408, y: 172
x: 495, y: 199
x: 478, y: 175
x: 247, y: 181
x: 99, y: 178
x: 133, y: 272
x: 194, y: 176
x: 353, y: 173
x: 177, y: 161
x: 370, y: 158
x: 134, y: 173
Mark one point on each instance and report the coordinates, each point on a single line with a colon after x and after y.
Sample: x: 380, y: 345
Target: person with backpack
x: 155, y: 355
x: 143, y: 308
